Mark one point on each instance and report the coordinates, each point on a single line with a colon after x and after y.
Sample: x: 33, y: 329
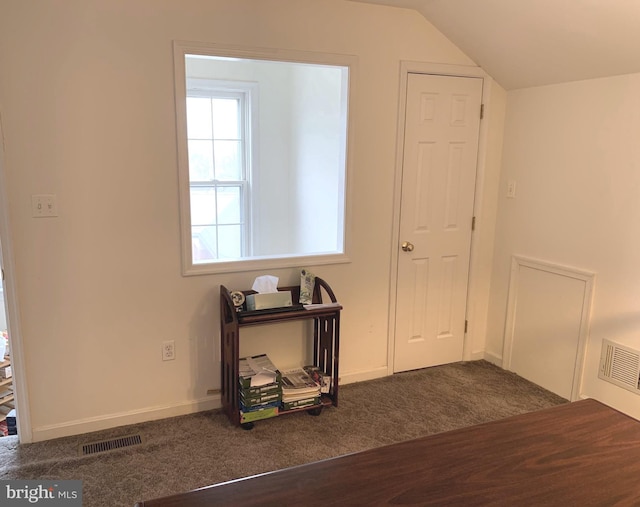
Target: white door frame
x: 411, y: 67
x: 13, y: 315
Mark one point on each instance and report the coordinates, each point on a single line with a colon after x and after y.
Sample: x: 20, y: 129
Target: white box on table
x: 269, y: 300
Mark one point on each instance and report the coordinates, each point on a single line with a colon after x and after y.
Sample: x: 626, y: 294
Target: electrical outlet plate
x: 168, y: 350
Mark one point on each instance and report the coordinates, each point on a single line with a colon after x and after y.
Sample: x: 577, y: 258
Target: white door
x: 442, y: 124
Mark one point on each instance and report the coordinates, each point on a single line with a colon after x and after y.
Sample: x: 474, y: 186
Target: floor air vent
x: 110, y: 445
x: 620, y: 365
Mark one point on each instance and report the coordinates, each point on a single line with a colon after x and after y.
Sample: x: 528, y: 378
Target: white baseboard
x: 493, y: 358
x: 361, y: 376
x: 477, y: 356
x: 88, y: 425
x: 122, y: 419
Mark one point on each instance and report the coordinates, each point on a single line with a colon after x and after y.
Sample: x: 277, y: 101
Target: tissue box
x: 269, y: 300
x: 5, y: 372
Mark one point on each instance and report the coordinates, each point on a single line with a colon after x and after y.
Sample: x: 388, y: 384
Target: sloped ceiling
x: 525, y: 43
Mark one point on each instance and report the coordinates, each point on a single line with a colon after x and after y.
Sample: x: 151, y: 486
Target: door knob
x: 407, y: 247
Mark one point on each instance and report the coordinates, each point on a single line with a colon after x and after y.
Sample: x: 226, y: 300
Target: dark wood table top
x: 577, y: 454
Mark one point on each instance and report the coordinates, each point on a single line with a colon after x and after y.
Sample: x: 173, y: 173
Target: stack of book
x: 260, y: 392
x: 299, y: 390
x: 320, y: 378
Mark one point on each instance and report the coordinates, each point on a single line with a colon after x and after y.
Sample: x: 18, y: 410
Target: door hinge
x: 473, y: 223
x: 481, y: 111
x: 466, y: 325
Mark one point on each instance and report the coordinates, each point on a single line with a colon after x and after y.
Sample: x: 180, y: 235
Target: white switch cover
x: 511, y: 189
x: 44, y: 205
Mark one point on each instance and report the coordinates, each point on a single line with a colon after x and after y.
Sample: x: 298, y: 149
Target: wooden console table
x: 326, y: 340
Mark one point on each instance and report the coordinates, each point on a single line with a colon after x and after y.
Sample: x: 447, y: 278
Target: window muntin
x: 294, y: 188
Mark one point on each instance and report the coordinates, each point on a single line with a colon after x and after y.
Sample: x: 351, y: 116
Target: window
x: 262, y: 145
x: 218, y: 127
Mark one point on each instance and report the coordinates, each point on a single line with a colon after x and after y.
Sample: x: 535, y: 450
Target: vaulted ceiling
x: 524, y: 43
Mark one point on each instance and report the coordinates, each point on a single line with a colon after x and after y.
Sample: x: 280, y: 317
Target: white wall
x: 86, y: 93
x: 320, y: 99
x: 573, y: 151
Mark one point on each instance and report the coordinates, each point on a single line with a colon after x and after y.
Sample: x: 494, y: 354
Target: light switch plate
x: 44, y: 205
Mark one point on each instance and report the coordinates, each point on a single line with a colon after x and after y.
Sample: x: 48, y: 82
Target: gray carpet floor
x: 197, y: 450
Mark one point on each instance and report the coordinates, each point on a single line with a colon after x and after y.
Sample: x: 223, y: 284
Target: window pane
x: 203, y: 244
x: 229, y: 242
x: 226, y: 114
x: 229, y: 205
x: 228, y: 157
x: 199, y: 121
x: 200, y: 160
x: 203, y: 206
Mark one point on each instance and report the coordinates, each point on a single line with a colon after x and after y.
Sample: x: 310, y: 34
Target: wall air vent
x: 620, y: 365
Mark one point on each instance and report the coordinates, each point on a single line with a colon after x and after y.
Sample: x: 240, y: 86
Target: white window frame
x: 248, y: 95
x: 181, y: 50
